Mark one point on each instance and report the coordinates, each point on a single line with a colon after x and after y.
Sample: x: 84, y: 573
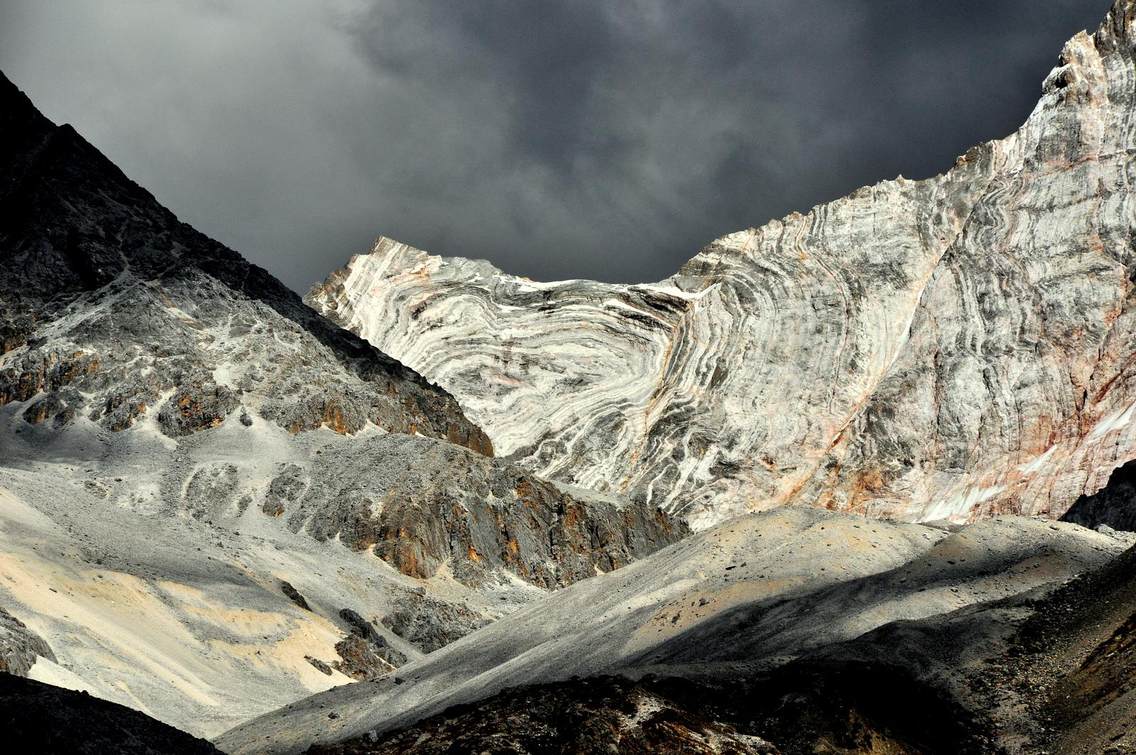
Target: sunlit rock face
x: 948, y: 348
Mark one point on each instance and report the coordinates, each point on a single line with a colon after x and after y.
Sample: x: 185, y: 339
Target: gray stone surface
x: 420, y: 504
x: 19, y: 646
x: 430, y: 624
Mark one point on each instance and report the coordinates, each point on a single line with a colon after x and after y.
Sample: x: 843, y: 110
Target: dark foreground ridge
x: 40, y: 718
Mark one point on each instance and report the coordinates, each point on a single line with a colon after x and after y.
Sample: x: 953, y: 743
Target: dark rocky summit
x: 111, y: 307
x: 1113, y: 506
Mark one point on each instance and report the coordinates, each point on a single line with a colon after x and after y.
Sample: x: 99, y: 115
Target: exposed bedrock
x: 954, y: 347
x: 19, y: 646
x: 107, y: 294
x: 1113, y: 506
x: 421, y: 504
x: 430, y: 624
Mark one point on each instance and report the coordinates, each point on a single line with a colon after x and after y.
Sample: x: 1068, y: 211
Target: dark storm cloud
x: 596, y: 139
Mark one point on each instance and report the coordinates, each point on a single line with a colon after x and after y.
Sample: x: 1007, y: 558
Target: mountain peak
x: 917, y: 349
x: 80, y: 240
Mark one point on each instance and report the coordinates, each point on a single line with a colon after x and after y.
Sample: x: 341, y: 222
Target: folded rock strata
x: 954, y: 347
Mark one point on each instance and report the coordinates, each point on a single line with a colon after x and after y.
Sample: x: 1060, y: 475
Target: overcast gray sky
x: 606, y: 139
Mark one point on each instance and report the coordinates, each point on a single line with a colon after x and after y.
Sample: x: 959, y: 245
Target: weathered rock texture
x: 948, y: 348
x: 198, y: 472
x: 430, y: 624
x: 19, y: 646
x: 364, y: 653
x: 111, y: 307
x: 421, y: 504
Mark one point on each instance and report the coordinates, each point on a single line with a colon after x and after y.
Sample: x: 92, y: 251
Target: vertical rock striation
x: 948, y: 348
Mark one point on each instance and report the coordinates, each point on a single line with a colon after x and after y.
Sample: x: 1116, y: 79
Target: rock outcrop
x: 430, y: 624
x: 19, y: 646
x: 1112, y: 506
x: 421, y: 504
x: 364, y: 653
x: 949, y: 348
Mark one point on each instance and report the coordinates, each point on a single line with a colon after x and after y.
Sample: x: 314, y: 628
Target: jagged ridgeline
x: 215, y: 501
x: 954, y: 347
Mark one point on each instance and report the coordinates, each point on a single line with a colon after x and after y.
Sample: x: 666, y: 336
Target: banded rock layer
x: 949, y: 348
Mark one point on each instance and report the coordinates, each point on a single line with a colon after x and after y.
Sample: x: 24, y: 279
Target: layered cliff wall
x: 948, y: 348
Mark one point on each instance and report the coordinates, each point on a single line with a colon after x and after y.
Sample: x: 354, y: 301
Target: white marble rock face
x: 949, y: 348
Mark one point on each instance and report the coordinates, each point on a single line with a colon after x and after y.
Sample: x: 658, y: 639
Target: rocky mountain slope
x: 735, y: 602
x: 955, y: 347
x: 114, y: 310
x: 213, y: 501
x: 1046, y: 671
x: 223, y: 511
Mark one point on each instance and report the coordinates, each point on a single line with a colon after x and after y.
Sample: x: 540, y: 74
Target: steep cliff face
x: 948, y: 348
